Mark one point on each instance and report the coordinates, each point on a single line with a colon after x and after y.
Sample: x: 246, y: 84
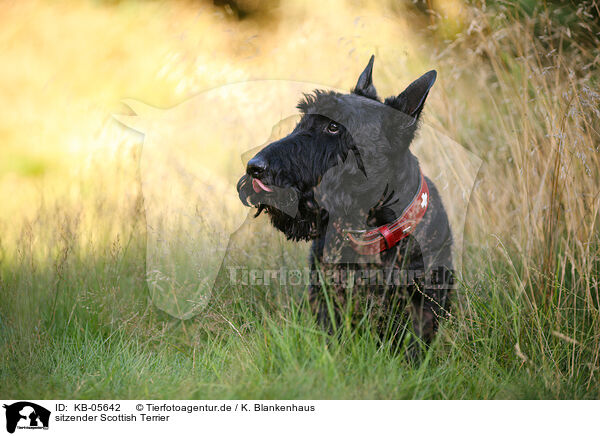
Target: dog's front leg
x: 428, y: 306
x: 318, y: 305
x: 424, y: 320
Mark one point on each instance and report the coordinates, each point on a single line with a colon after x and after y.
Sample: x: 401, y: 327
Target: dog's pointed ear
x: 412, y: 99
x: 364, y: 86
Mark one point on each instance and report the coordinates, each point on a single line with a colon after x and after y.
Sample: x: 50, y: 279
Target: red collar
x: 387, y: 236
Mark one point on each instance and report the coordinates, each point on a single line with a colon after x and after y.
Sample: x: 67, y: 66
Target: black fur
x: 348, y: 165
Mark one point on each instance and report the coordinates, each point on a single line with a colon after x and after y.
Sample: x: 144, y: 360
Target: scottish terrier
x: 345, y: 178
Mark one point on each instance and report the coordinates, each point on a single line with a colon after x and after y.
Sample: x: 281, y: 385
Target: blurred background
x: 517, y: 86
x: 517, y: 83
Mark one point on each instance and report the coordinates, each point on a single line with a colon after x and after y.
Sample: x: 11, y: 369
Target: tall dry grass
x: 530, y: 108
x: 534, y: 119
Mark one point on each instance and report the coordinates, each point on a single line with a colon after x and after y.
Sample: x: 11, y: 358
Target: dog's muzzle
x: 284, y: 199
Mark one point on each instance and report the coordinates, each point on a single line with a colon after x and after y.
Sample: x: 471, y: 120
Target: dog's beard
x: 293, y: 212
x: 308, y: 224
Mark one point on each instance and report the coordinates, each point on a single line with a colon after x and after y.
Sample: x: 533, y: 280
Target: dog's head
x: 333, y: 127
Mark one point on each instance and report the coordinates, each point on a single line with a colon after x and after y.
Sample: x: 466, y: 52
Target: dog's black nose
x: 256, y: 167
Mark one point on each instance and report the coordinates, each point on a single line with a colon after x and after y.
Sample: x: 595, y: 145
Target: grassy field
x: 517, y: 86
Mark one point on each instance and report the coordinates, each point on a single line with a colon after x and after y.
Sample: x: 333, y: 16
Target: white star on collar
x: 424, y: 199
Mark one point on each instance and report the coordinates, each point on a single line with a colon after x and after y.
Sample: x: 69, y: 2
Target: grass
x: 517, y: 87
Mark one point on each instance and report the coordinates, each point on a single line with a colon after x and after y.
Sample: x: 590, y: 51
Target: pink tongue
x: 258, y: 186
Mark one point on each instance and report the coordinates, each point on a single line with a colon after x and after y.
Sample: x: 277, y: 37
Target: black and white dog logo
x: 26, y: 415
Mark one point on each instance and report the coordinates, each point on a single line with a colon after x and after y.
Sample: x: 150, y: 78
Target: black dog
x: 346, y: 179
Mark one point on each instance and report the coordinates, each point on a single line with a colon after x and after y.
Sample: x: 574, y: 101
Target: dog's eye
x: 333, y: 128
